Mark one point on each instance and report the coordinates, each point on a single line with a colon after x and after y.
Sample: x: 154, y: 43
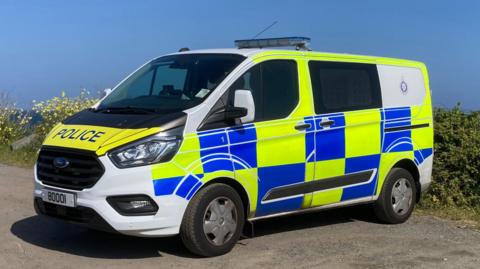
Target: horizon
x: 64, y: 46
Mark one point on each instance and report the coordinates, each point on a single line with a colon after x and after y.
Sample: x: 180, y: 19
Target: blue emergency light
x: 300, y: 43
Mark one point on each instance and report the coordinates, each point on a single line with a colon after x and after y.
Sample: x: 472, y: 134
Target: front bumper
x: 93, y: 210
x: 79, y: 215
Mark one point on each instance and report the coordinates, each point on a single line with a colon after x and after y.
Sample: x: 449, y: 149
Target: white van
x: 198, y: 142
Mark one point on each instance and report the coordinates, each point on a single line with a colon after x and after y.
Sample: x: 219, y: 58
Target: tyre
x: 397, y: 198
x: 213, y: 221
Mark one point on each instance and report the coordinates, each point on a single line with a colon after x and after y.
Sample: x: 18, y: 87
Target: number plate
x: 59, y: 198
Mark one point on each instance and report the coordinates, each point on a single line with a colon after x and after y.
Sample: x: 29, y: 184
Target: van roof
x: 255, y: 53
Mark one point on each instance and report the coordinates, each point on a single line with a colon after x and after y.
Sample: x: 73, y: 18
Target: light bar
x: 297, y: 42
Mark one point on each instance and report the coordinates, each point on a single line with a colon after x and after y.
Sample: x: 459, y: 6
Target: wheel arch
x: 412, y: 168
x: 237, y: 186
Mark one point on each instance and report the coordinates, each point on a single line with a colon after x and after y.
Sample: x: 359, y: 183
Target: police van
x: 199, y: 142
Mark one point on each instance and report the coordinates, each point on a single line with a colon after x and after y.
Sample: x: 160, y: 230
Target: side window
x: 339, y: 87
x: 274, y: 86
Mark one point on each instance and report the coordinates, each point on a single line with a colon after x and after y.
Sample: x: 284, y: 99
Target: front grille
x: 83, y: 171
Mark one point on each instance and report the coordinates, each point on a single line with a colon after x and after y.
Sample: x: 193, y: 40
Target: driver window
x: 274, y: 87
x: 250, y: 80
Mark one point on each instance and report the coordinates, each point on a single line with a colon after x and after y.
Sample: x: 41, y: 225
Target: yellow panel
x: 186, y: 161
x: 422, y: 137
x: 428, y: 98
x: 421, y: 112
x: 279, y: 143
x: 327, y: 197
x: 328, y: 169
x: 167, y: 170
x: 309, y: 175
x: 305, y: 106
x: 362, y: 133
x: 387, y: 161
x: 249, y: 180
x: 188, y: 155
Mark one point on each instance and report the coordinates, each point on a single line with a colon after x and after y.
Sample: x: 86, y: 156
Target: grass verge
x: 24, y: 157
x: 465, y: 217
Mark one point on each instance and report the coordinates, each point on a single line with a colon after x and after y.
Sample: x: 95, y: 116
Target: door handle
x: 326, y: 123
x: 302, y: 126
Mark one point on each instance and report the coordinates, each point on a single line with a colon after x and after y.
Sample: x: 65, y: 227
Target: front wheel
x: 397, y: 198
x: 213, y: 221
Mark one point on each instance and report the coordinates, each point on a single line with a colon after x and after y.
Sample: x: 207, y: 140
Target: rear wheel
x: 397, y: 199
x: 213, y: 221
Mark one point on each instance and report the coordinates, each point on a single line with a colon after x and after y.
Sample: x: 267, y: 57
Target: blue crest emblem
x: 404, y: 87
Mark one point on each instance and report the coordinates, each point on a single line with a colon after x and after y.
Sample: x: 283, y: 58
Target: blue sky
x: 50, y: 46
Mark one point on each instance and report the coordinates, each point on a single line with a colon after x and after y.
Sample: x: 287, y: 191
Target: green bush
x: 57, y: 109
x: 14, y: 122
x: 456, y: 166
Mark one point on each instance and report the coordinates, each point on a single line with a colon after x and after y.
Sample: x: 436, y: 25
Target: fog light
x: 133, y: 205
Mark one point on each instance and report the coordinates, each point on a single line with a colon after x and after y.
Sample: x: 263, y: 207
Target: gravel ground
x: 344, y: 238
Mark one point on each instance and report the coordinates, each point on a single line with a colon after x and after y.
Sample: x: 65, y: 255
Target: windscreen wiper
x: 125, y: 110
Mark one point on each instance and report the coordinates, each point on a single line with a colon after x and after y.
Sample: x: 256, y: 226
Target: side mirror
x: 242, y: 111
x: 244, y: 99
x: 235, y: 112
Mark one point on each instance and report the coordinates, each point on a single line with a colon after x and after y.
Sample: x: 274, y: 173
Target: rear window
x: 339, y: 87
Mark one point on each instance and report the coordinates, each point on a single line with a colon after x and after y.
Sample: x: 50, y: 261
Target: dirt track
x: 345, y: 238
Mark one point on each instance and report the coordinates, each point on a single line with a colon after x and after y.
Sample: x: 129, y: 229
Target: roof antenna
x: 264, y: 30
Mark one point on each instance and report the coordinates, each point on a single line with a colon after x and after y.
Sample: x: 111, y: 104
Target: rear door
x: 348, y: 136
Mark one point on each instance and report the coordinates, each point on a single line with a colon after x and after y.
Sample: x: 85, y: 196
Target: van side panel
x: 349, y: 147
x: 407, y: 127
x: 379, y: 138
x: 372, y: 138
x: 363, y: 148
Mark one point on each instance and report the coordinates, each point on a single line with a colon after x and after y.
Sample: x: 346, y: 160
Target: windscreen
x: 172, y: 83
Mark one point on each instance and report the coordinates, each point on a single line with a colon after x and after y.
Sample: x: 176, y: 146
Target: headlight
x: 147, y: 151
